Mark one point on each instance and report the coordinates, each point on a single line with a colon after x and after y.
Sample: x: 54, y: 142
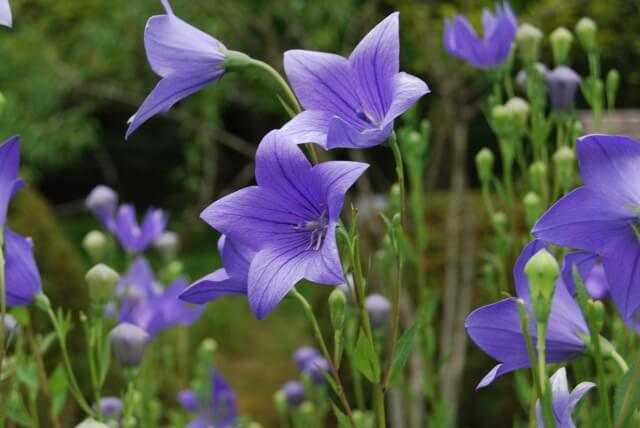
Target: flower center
x: 318, y: 228
x: 636, y: 225
x: 365, y: 116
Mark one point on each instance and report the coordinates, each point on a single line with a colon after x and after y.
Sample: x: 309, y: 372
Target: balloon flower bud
x: 499, y: 220
x: 564, y: 159
x: 538, y: 176
x: 3, y: 102
x: 307, y: 414
x: 102, y: 281
x: 394, y: 198
x: 378, y: 308
x: 167, y: 244
x: 337, y: 305
x: 577, y: 131
x: 128, y: 343
x: 561, y: 40
x: 596, y: 308
x: 207, y: 351
x: 303, y: 355
x: 532, y: 207
x: 101, y: 199
x: 612, y: 83
x: 95, y: 244
x: 562, y: 84
x: 111, y: 407
x: 484, y: 164
x: 91, y: 423
x: 502, y: 120
x: 293, y: 392
x: 520, y: 111
x: 528, y: 40
x: 587, y: 30
x: 316, y: 367
x: 280, y: 401
x: 542, y: 271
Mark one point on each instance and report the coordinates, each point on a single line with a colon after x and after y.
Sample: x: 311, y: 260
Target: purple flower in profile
x: 303, y: 355
x: 133, y: 237
x: 231, y: 279
x: 213, y: 408
x: 562, y: 83
x: 289, y: 219
x: 186, y: 59
x: 5, y: 14
x: 21, y: 276
x: 563, y: 401
x: 495, y: 328
x: 147, y: 304
x: 293, y: 392
x: 601, y: 216
x: 351, y: 102
x: 461, y: 40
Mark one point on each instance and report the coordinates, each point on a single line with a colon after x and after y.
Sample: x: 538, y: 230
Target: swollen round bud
x: 522, y: 78
x: 561, y: 40
x: 528, y: 40
x: 95, y: 244
x: 293, y: 392
x: 612, y: 83
x: 303, y: 355
x: 484, y: 164
x: 307, y: 414
x: 542, y: 271
x: 577, y: 130
x: 102, y: 199
x: 499, y: 220
x: 167, y: 244
x: 502, y: 119
x: 316, y: 368
x: 597, y: 310
x: 3, y: 102
x: 102, y: 281
x: 564, y: 158
x: 280, y: 401
x: 520, y: 112
x: 394, y: 198
x: 538, y: 175
x: 532, y: 207
x: 207, y: 351
x: 337, y: 305
x: 378, y: 308
x: 128, y: 343
x: 562, y: 84
x: 91, y: 423
x: 364, y: 419
x: 587, y: 30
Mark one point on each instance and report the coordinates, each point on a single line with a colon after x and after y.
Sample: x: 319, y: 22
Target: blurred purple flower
x: 21, y: 276
x: 293, y: 392
x: 495, y: 328
x: 133, y: 237
x: 563, y: 401
x: 230, y: 279
x: 103, y: 202
x: 186, y: 58
x: 316, y: 367
x: 378, y: 308
x: 111, y: 407
x: 216, y: 408
x: 303, y: 355
x: 145, y: 303
x: 351, y: 102
x: 289, y: 219
x: 5, y: 14
x: 562, y: 83
x: 461, y: 40
x: 602, y: 215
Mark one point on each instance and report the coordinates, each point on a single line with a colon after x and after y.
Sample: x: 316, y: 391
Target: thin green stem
x: 546, y: 398
x: 619, y: 361
x: 599, y: 360
x: 524, y: 326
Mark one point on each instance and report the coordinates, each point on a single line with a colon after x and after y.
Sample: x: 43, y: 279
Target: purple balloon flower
x: 303, y: 355
x: 111, y: 407
x: 602, y: 215
x: 496, y: 328
x: 289, y: 219
x: 5, y: 14
x: 351, y: 102
x: 316, y: 367
x: 461, y: 40
x: 293, y: 392
x: 103, y: 202
x: 145, y: 303
x: 21, y: 276
x: 231, y: 279
x: 562, y: 83
x: 133, y: 237
x: 186, y: 58
x: 216, y: 408
x: 563, y: 401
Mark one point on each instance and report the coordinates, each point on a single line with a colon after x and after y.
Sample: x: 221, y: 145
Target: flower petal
x: 153, y: 224
x: 5, y: 14
x: 211, y: 287
x: 576, y: 395
x: 343, y: 134
x: 500, y: 369
x: 189, y: 400
x: 10, y: 183
x: 560, y: 391
x: 22, y: 278
x: 621, y: 259
x: 236, y: 258
x: 407, y: 89
x: 374, y: 63
x: 584, y: 261
x: 324, y: 266
x: 310, y: 126
x: 334, y: 179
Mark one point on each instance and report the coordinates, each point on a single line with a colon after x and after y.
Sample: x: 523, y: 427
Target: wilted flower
x: 5, y: 13
x: 128, y: 343
x: 213, y: 408
x: 103, y: 202
x: 601, y: 216
x: 293, y: 392
x: 351, y: 102
x: 289, y: 219
x: 563, y: 401
x: 378, y: 307
x: 303, y: 355
x: 562, y: 83
x: 186, y: 58
x: 495, y: 328
x: 316, y: 368
x: 461, y: 40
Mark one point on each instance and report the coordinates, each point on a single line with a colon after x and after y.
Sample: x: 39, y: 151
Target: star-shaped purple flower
x: 230, y: 279
x: 21, y: 276
x: 134, y: 237
x: 461, y: 40
x: 602, y: 215
x: 563, y: 401
x: 289, y: 219
x: 217, y: 408
x: 496, y: 328
x: 351, y: 102
x: 185, y: 57
x: 147, y: 304
x: 5, y: 14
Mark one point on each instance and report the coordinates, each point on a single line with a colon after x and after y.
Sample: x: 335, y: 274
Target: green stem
x: 546, y: 398
x: 524, y: 326
x: 619, y: 361
x: 599, y: 360
x: 3, y: 300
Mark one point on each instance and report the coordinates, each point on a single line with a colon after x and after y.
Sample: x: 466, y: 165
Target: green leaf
x: 403, y: 349
x: 58, y: 389
x: 366, y: 360
x: 16, y: 410
x: 27, y: 375
x: 343, y: 420
x: 627, y: 397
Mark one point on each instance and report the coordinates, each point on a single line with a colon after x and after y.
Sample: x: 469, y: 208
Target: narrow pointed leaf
x: 403, y: 349
x: 366, y: 359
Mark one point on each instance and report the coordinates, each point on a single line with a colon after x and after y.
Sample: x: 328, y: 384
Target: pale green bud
x: 41, y: 301
x: 394, y: 198
x: 612, y: 83
x: 102, y: 281
x: 542, y: 271
x: 502, y: 119
x: 596, y: 308
x: 280, y: 401
x: 91, y: 423
x: 337, y: 305
x: 499, y: 220
x: 561, y: 40
x: 528, y: 40
x: 564, y: 159
x: 577, y: 131
x: 95, y: 244
x: 520, y: 112
x: 484, y: 164
x: 532, y: 207
x: 3, y: 102
x: 538, y: 175
x: 363, y: 419
x: 207, y: 350
x: 587, y: 30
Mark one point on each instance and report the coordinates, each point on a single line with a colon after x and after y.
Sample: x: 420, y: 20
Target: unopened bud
x: 102, y: 199
x: 307, y: 414
x: 522, y: 78
x: 532, y: 207
x: 95, y: 244
x: 538, y: 176
x: 499, y: 220
x: 562, y: 84
x: 41, y: 301
x: 316, y: 368
x: 207, y: 351
x: 363, y: 419
x: 484, y: 164
x: 102, y: 281
x: 561, y: 40
x: 612, y: 83
x: 394, y: 198
x: 3, y: 102
x: 596, y: 309
x: 91, y: 423
x: 587, y: 30
x: 303, y: 355
x: 528, y: 40
x: 577, y: 130
x: 167, y: 244
x: 542, y: 272
x: 564, y: 159
x: 111, y: 407
x: 293, y: 392
x: 520, y: 111
x: 128, y: 343
x: 502, y: 120
x: 337, y: 305
x: 378, y: 308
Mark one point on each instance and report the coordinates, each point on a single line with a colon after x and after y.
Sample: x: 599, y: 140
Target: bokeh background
x: 74, y: 71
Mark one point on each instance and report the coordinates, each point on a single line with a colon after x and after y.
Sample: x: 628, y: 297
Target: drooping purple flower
x: 303, y: 355
x: 461, y: 40
x: 231, y: 279
x: 132, y: 236
x: 351, y: 102
x: 289, y: 219
x: 562, y: 83
x: 495, y: 328
x: 316, y: 368
x: 186, y: 58
x: 563, y: 401
x: 21, y: 276
x: 602, y: 215
x: 147, y: 304
x: 5, y: 14
x: 213, y: 408
x: 293, y: 392
x: 103, y: 202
